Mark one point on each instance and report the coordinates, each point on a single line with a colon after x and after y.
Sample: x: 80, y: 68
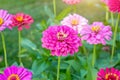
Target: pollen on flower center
x: 61, y: 36
x: 111, y: 76
x: 13, y: 77
x: 1, y: 21
x: 19, y: 18
x: 74, y: 22
x: 95, y: 28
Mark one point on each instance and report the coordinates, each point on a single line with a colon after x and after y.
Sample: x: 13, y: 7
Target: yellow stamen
x: 111, y: 74
x: 13, y: 77
x: 74, y: 22
x: 61, y: 35
x: 19, y: 18
x: 1, y: 21
x: 95, y: 28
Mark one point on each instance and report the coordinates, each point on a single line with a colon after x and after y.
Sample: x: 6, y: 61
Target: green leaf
x: 28, y: 44
x: 63, y: 13
x: 68, y: 73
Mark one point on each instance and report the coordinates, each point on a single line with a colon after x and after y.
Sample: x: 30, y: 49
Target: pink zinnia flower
x: 61, y: 40
x: 5, y: 19
x: 21, y: 20
x: 108, y: 74
x: 96, y: 33
x: 105, y: 1
x: 71, y: 2
x: 75, y: 21
x: 114, y: 5
x: 16, y: 73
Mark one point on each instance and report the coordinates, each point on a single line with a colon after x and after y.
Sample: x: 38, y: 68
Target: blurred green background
x: 40, y: 11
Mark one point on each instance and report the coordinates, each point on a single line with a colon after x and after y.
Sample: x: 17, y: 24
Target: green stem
x: 4, y: 48
x: 54, y: 7
x: 107, y: 13
x: 114, y: 37
x: 19, y: 46
x: 94, y: 56
x: 58, y: 69
x: 84, y: 49
x: 112, y: 18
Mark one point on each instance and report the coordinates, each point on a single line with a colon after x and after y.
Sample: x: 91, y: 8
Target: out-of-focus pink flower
x: 96, y: 33
x: 16, y: 73
x: 114, y: 5
x: 75, y: 21
x: 71, y: 2
x: 5, y: 19
x: 61, y: 40
x: 105, y: 1
x: 108, y: 74
x: 21, y: 20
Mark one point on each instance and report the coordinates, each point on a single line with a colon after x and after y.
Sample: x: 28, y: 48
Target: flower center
x: 13, y: 77
x: 19, y: 18
x: 74, y: 22
x: 61, y: 36
x: 95, y: 28
x: 111, y: 76
x: 1, y: 21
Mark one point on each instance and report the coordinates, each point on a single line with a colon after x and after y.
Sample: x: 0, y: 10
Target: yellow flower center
x: 19, y: 18
x: 95, y: 28
x: 111, y: 76
x: 13, y: 77
x: 74, y: 22
x: 1, y: 21
x: 61, y: 36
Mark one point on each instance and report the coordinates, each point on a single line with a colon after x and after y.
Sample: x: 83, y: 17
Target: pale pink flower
x: 114, y: 5
x: 21, y: 20
x: 5, y: 19
x: 75, y: 22
x: 71, y: 2
x: 61, y: 40
x: 105, y: 1
x: 96, y: 33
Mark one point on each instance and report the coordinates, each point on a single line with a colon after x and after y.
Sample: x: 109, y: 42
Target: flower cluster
x: 16, y: 73
x: 108, y: 74
x: 9, y: 20
x: 61, y: 40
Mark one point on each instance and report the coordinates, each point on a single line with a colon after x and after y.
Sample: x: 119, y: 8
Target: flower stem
x: 54, y: 7
x: 4, y: 48
x: 94, y: 56
x: 19, y: 46
x: 112, y: 17
x: 58, y: 69
x: 114, y: 37
x: 107, y: 13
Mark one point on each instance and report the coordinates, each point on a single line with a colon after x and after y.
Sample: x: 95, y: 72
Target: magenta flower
x: 71, y: 2
x: 5, y: 19
x: 61, y: 40
x: 114, y: 5
x: 96, y: 33
x: 75, y: 21
x: 16, y: 73
x: 108, y: 74
x: 21, y: 20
